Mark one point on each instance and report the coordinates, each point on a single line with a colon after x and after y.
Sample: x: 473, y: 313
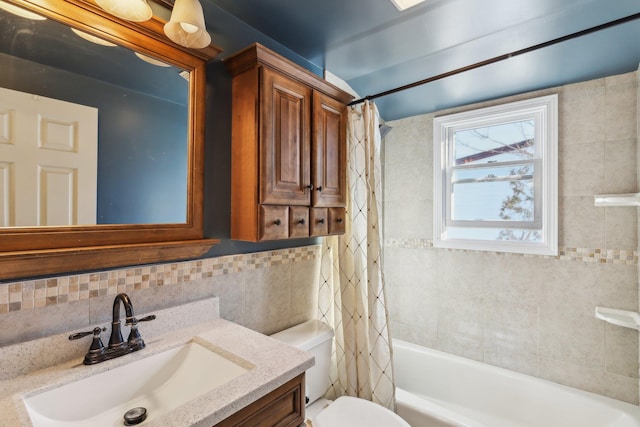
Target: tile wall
x: 527, y: 313
x: 266, y: 292
x: 532, y: 314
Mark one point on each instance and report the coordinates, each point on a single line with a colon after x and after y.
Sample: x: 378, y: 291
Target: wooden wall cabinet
x: 288, y: 163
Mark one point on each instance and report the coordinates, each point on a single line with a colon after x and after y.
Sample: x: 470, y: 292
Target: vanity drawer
x: 319, y: 225
x: 283, y: 407
x: 274, y: 222
x: 336, y: 220
x: 298, y: 221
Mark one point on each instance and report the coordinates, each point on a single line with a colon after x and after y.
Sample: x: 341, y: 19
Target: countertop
x: 270, y: 362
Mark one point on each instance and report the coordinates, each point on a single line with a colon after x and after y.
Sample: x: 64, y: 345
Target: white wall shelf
x: 624, y: 318
x: 628, y: 199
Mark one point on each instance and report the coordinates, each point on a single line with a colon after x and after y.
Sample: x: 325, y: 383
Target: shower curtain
x: 351, y: 292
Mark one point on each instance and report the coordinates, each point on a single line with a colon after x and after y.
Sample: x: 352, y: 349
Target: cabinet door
x: 329, y: 151
x: 285, y: 116
x: 283, y: 407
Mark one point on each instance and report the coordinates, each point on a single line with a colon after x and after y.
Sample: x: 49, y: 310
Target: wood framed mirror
x: 38, y: 248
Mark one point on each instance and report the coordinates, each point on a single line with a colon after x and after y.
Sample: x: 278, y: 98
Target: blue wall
x: 142, y: 175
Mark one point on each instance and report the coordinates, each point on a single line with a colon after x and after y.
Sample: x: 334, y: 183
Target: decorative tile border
x: 33, y: 294
x: 588, y: 255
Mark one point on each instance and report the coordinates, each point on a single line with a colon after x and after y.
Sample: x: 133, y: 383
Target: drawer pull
x: 321, y: 221
x: 277, y: 222
x: 301, y: 221
x: 339, y: 220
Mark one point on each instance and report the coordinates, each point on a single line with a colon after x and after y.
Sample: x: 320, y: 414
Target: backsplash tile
x: 30, y: 294
x: 38, y: 308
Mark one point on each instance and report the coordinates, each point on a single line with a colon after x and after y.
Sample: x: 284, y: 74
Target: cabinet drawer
x: 298, y: 221
x: 336, y: 220
x: 274, y: 222
x: 319, y: 222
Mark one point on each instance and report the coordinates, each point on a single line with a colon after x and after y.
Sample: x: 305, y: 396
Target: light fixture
x: 23, y: 13
x: 151, y: 60
x: 91, y: 38
x: 405, y: 4
x: 131, y: 10
x: 186, y: 26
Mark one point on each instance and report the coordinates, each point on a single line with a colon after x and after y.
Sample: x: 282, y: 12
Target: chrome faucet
x: 117, y: 346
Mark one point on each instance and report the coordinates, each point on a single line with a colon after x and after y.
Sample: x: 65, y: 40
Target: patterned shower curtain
x: 351, y: 294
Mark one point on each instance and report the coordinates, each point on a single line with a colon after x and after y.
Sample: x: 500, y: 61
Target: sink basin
x: 158, y: 383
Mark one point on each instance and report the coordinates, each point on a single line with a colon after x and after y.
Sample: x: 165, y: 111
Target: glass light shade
x: 21, y: 12
x: 91, y: 38
x: 186, y: 26
x: 405, y: 4
x: 152, y: 61
x: 131, y: 10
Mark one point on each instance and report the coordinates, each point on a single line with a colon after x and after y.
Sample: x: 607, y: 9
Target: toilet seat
x: 347, y: 411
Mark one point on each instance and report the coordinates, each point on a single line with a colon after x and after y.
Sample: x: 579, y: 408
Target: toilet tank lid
x: 306, y: 335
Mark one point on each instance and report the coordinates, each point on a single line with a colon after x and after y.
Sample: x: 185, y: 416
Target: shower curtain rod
x: 499, y: 58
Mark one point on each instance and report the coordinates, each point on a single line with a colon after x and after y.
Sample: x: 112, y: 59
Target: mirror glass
x: 107, y: 128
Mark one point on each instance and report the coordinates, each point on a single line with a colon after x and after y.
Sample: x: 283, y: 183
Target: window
x: 495, y: 178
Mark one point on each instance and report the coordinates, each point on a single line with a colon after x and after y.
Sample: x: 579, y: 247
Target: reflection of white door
x: 48, y: 161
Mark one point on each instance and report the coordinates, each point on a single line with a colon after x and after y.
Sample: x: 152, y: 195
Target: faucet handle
x: 96, y: 332
x: 96, y: 352
x: 135, y: 341
x: 134, y: 321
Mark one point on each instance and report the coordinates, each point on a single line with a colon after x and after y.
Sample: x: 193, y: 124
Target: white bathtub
x: 436, y: 389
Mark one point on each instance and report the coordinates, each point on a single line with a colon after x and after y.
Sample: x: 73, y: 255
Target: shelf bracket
x: 627, y: 199
x: 624, y: 318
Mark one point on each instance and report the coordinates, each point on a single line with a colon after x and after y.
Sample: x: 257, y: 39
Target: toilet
x: 316, y: 337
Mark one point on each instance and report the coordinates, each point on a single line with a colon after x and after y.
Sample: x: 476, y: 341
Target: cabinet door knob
x: 319, y: 188
x: 310, y: 187
x: 277, y: 222
x: 339, y: 220
x: 321, y: 221
x: 301, y: 221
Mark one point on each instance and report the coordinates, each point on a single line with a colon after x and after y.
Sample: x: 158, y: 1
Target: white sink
x: 158, y: 383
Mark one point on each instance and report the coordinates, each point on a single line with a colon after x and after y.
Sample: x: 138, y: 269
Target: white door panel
x: 51, y: 147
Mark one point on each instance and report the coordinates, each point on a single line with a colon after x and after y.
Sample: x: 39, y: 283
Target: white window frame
x: 544, y: 112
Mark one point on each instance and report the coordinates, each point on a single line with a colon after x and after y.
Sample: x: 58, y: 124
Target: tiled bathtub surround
x: 265, y: 291
x: 611, y: 256
x: 532, y: 314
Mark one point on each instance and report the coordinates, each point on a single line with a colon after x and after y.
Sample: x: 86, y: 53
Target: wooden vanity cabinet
x: 288, y: 148
x: 283, y: 407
